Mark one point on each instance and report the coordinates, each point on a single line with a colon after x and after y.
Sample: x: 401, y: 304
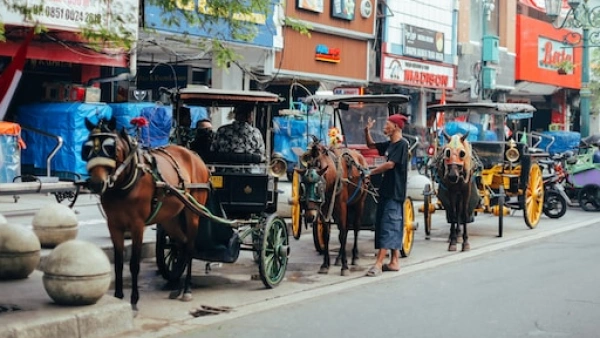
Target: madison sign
x: 416, y: 73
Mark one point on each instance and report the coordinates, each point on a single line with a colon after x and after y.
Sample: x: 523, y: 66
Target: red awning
x: 64, y: 51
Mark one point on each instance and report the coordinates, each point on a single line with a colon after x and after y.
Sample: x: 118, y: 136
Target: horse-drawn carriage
x: 505, y: 175
x: 350, y: 114
x: 208, y: 210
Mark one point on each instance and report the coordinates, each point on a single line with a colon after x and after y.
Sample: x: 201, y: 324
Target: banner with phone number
x: 70, y: 15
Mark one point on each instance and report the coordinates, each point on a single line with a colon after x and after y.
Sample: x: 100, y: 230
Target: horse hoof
x: 346, y: 272
x: 337, y: 262
x: 466, y: 247
x: 323, y: 271
x: 187, y: 297
x: 452, y: 247
x: 174, y: 294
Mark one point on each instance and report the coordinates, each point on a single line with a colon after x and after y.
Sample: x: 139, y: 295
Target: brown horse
x: 334, y: 184
x: 141, y: 187
x: 455, y: 167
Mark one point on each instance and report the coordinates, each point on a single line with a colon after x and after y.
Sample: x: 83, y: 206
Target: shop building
x: 59, y: 61
x: 337, y: 53
x: 417, y: 52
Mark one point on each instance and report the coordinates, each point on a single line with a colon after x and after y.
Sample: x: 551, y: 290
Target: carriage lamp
x: 580, y: 16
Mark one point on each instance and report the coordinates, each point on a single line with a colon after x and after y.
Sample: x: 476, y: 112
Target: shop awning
x: 62, y: 51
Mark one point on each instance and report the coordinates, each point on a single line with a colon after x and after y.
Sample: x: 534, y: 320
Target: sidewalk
x: 27, y: 311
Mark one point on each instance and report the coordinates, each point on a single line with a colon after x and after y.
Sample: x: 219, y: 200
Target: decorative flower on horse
x: 335, y: 137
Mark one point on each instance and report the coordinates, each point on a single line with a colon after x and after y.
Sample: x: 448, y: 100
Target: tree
x: 119, y: 30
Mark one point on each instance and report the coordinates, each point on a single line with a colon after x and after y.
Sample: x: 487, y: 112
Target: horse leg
x: 453, y: 226
x: 325, y: 267
x: 137, y: 235
x: 343, y: 238
x: 355, y: 256
x: 118, y: 239
x: 465, y: 218
x: 192, y: 224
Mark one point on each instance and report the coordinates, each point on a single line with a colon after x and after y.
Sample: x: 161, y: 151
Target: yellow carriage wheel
x: 409, y: 228
x: 295, y: 201
x: 319, y: 235
x: 533, y: 197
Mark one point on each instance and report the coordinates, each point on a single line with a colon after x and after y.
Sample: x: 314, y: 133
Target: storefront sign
x: 423, y: 43
x: 416, y: 73
x: 155, y: 18
x: 311, y: 5
x: 343, y: 9
x: 551, y: 52
x: 326, y: 54
x: 72, y: 15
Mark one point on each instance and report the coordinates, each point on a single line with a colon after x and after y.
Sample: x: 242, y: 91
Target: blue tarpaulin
x: 291, y: 131
x: 160, y: 118
x: 66, y: 120
x: 563, y: 141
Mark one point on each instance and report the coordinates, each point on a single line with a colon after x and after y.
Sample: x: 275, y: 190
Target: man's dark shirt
x: 393, y: 182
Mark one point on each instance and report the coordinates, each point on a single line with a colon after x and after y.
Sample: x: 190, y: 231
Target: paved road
x: 547, y: 288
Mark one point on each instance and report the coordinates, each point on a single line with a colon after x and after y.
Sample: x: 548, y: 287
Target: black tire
x: 169, y: 258
x: 555, y: 205
x: 426, y: 211
x: 589, y: 197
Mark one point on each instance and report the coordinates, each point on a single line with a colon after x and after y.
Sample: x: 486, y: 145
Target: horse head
x: 105, y: 152
x: 313, y: 182
x: 456, y: 156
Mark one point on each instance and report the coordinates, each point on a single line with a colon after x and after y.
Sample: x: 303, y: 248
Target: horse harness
x: 339, y: 180
x: 143, y: 161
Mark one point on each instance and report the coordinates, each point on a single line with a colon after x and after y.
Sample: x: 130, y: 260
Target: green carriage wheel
x: 408, y: 235
x: 169, y: 256
x: 533, y: 202
x: 274, y: 252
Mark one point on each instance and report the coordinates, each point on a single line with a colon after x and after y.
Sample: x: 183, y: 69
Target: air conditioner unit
x: 140, y: 95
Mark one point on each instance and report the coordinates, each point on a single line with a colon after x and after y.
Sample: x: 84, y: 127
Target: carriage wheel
x: 296, y: 218
x: 274, y: 252
x: 319, y: 235
x: 426, y: 210
x: 169, y: 257
x: 589, y: 197
x: 409, y: 228
x: 534, y: 197
x: 501, y: 199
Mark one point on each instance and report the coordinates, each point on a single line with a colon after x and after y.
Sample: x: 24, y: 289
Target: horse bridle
x: 101, y: 149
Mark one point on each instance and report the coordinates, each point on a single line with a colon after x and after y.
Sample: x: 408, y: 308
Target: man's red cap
x: 398, y: 119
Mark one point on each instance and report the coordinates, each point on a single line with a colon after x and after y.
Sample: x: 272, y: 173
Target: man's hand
x: 370, y: 124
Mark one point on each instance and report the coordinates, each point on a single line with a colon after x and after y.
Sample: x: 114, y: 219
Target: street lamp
x: 581, y: 16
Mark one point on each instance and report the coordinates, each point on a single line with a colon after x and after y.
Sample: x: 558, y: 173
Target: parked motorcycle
x: 556, y: 196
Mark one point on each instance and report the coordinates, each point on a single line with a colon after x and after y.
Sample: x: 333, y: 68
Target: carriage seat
x: 237, y: 158
x: 489, y: 153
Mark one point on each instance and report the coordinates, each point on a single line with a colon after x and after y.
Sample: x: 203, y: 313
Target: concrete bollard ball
x: 54, y: 224
x: 76, y: 272
x: 19, y: 251
x: 415, y: 186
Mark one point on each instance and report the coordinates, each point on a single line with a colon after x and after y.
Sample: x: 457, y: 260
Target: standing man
x: 389, y: 222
